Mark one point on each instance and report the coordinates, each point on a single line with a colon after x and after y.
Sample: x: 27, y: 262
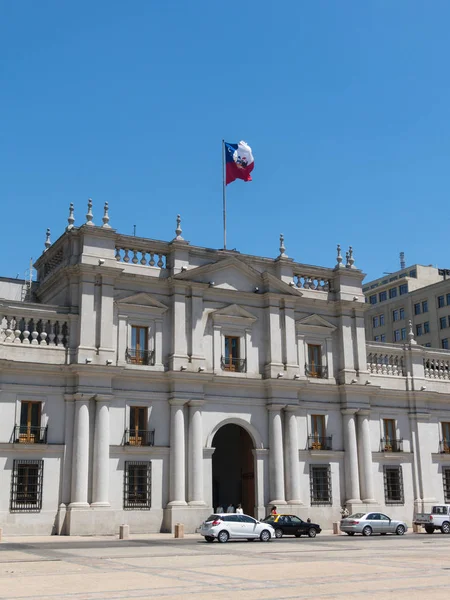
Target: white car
x: 225, y: 526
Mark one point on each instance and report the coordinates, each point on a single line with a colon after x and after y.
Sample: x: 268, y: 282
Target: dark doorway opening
x: 233, y: 469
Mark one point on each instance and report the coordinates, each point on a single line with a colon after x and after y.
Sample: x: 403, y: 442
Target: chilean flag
x: 239, y: 162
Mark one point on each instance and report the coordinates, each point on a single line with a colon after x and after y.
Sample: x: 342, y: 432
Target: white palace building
x: 147, y: 382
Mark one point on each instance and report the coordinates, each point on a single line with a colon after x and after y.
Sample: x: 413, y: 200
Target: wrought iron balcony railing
x: 319, y: 442
x: 239, y: 365
x: 316, y: 371
x: 391, y: 445
x: 136, y: 356
x: 27, y: 434
x: 444, y: 446
x: 139, y: 437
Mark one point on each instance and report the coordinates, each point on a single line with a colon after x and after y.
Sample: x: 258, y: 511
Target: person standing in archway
x: 239, y: 509
x: 230, y: 508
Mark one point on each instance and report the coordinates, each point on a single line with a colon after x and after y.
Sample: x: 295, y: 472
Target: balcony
x: 139, y: 437
x: 135, y: 356
x: 391, y: 445
x: 24, y: 434
x: 238, y: 365
x: 316, y: 371
x: 319, y: 442
x: 444, y: 447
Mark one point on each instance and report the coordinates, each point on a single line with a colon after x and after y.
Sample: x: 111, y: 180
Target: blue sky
x: 345, y: 104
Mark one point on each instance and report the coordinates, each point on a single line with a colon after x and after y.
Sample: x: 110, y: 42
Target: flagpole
x: 224, y: 194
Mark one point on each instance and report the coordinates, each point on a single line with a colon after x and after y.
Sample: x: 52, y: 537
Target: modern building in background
x: 147, y: 382
x: 418, y: 294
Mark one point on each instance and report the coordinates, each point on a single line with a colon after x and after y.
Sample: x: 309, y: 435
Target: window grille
x: 26, y: 486
x: 320, y: 485
x: 393, y: 485
x: 446, y: 481
x: 137, y: 485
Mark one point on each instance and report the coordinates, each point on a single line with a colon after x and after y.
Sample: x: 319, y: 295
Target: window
x: 377, y: 338
x: 446, y: 482
x: 425, y: 306
x: 417, y: 308
x: 403, y: 333
x: 383, y: 296
x: 397, y: 335
x: 443, y: 322
x: 446, y: 436
x: 427, y: 345
x: 419, y: 330
x: 440, y: 301
x: 373, y: 299
x: 138, y: 434
x: 426, y: 327
x: 393, y: 293
x: 375, y: 322
x: 318, y: 439
x: 403, y: 289
x: 448, y: 299
x: 26, y: 486
x: 138, y: 354
x: 231, y: 360
x: 320, y: 485
x: 395, y: 315
x: 445, y: 344
x: 381, y: 320
x: 393, y: 485
x: 389, y: 429
x: 402, y: 313
x: 314, y: 366
x: 137, y: 485
x: 393, y: 278
x: 413, y: 273
x: 383, y: 337
x: 30, y: 431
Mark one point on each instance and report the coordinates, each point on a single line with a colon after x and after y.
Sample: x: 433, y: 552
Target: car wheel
x: 278, y: 533
x: 223, y: 536
x: 429, y: 529
x: 312, y: 532
x: 209, y: 538
x: 445, y: 527
x: 350, y: 532
x: 367, y: 530
x: 265, y: 535
x: 400, y: 530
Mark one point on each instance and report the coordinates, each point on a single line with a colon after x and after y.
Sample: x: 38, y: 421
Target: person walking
x: 274, y: 510
x: 239, y: 510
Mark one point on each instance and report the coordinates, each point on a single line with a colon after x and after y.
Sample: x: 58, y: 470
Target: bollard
x: 417, y: 528
x: 179, y: 530
x: 336, y: 528
x: 124, y: 532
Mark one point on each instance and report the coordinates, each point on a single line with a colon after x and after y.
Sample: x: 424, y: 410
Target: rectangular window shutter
x: 446, y: 482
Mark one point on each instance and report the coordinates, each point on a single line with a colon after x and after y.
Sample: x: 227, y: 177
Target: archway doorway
x: 233, y: 469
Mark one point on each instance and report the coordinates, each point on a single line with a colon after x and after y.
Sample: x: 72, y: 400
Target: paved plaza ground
x: 415, y: 566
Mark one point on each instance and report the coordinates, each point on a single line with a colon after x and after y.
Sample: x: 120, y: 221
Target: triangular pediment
x: 233, y: 314
x: 315, y: 322
x: 143, y: 300
x: 228, y: 273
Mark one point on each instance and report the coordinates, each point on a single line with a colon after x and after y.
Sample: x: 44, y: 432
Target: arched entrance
x: 233, y: 468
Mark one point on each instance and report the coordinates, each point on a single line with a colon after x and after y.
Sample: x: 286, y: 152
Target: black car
x: 292, y: 525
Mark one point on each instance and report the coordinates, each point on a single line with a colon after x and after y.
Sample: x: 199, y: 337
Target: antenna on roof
x: 402, y: 260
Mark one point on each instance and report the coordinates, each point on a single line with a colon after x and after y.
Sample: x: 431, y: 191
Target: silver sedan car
x: 372, y: 522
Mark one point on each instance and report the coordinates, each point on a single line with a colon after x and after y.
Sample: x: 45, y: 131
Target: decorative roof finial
x: 105, y: 217
x: 178, y: 230
x: 89, y: 215
x: 282, y: 247
x: 351, y: 260
x: 347, y: 257
x: 47, y: 240
x: 339, y: 257
x: 411, y: 340
x: 70, y: 218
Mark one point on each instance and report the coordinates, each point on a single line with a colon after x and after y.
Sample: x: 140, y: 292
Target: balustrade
x: 382, y: 363
x: 437, y: 368
x: 34, y: 331
x: 146, y: 258
x: 312, y: 282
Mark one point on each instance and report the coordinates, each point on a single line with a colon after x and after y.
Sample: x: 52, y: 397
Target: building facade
x: 148, y: 382
x: 418, y: 294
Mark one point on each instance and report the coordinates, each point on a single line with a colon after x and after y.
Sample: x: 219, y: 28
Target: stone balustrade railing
x: 34, y: 331
x: 141, y: 251
x: 436, y: 365
x: 385, y: 361
x: 312, y: 281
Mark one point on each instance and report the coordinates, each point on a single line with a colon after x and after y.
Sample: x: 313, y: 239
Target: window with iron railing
x: 30, y: 431
x: 320, y: 485
x: 390, y: 442
x: 138, y: 353
x: 445, y: 442
x: 231, y: 360
x: 318, y: 440
x: 393, y: 485
x: 26, y: 485
x: 137, y: 485
x: 314, y: 367
x: 138, y: 434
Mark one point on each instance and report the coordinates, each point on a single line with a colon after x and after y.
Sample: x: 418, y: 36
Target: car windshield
x: 212, y: 518
x: 356, y: 516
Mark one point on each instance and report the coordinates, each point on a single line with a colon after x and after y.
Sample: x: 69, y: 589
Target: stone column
x: 158, y: 342
x: 177, y: 454
x: 198, y: 356
x: 178, y: 357
x: 351, y: 457
x: 293, y: 470
x: 80, y: 460
x: 276, y: 465
x: 196, y: 453
x: 365, y: 455
x: 100, y: 492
